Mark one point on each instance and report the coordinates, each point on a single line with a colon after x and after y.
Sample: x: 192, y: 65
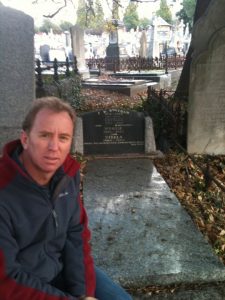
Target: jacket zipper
x: 55, y: 217
x: 63, y: 182
x: 52, y: 210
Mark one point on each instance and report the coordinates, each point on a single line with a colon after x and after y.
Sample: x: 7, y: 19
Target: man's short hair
x: 52, y: 103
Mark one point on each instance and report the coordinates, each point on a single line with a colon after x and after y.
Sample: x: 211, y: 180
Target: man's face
x: 47, y: 144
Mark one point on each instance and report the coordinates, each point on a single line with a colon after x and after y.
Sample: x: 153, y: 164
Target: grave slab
x: 129, y: 87
x: 160, y: 79
x: 141, y: 235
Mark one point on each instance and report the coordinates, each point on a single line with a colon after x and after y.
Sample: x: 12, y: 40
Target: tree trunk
x: 182, y: 89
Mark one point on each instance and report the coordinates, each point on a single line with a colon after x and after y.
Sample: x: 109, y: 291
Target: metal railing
x: 135, y: 63
x: 54, y: 68
x: 169, y: 118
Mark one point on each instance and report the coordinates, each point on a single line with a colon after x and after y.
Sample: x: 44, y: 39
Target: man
x: 44, y: 238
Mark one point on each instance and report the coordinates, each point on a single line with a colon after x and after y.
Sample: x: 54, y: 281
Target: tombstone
x: 143, y: 45
x: 206, y: 116
x: 154, y: 39
x: 16, y: 70
x: 77, y: 37
x: 44, y: 52
x: 113, y: 50
x: 116, y: 48
x: 116, y: 132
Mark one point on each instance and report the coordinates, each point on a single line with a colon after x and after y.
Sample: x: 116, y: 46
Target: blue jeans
x: 106, y: 289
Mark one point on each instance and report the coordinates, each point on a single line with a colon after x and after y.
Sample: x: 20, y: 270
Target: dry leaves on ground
x: 198, y: 193
x: 101, y: 99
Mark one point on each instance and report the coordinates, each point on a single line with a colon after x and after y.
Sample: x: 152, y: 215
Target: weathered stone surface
x: 212, y: 21
x: 16, y: 70
x: 206, y: 117
x: 141, y: 234
x: 77, y: 36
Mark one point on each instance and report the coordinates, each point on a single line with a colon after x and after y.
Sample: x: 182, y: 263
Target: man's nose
x: 53, y: 143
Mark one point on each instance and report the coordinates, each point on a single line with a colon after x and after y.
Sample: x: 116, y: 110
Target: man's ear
x: 24, y: 139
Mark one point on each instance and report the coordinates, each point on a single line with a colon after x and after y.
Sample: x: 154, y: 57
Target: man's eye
x: 44, y: 135
x: 64, y: 138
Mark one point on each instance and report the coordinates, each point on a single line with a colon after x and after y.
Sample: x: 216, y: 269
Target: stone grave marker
x: 78, y: 49
x: 16, y: 70
x: 44, y: 52
x: 117, y: 131
x: 143, y: 45
x: 206, y: 116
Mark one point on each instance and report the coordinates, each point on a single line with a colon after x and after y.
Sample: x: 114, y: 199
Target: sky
x: 45, y: 7
x: 37, y: 10
x: 68, y: 13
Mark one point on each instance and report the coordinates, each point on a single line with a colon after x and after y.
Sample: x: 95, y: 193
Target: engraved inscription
x: 113, y: 131
x: 212, y: 112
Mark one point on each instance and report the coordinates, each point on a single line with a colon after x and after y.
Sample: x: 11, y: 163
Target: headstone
x: 44, y: 52
x: 113, y: 37
x: 78, y: 140
x: 154, y: 42
x: 16, y: 70
x: 116, y: 48
x: 117, y: 131
x: 143, y: 45
x: 77, y: 37
x: 206, y: 117
x: 113, y: 51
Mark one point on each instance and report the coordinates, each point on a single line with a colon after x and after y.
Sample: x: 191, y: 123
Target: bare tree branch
x: 89, y: 6
x: 118, y: 3
x: 56, y: 2
x: 57, y: 11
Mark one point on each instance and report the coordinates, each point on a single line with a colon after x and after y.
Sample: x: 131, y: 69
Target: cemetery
x: 152, y: 162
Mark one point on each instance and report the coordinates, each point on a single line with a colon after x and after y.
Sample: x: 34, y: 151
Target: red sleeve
x: 88, y: 260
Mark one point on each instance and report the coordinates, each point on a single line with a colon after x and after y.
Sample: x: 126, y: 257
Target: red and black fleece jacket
x: 43, y: 234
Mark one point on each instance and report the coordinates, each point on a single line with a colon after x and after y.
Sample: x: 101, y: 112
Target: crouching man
x: 44, y: 238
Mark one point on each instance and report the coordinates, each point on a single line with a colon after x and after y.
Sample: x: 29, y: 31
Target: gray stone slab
x: 128, y: 88
x: 206, y: 26
x: 17, y: 78
x: 206, y: 106
x: 141, y: 235
x: 77, y: 36
x: 161, y: 80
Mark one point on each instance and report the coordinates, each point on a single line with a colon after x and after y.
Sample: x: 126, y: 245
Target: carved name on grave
x: 113, y: 131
